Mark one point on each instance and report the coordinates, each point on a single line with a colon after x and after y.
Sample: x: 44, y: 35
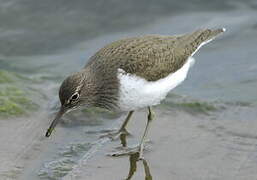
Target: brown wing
x: 151, y: 57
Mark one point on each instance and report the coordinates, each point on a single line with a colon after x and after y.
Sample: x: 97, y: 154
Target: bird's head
x: 70, y: 91
x: 76, y: 90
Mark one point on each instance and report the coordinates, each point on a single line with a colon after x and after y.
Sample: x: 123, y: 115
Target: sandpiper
x: 132, y: 73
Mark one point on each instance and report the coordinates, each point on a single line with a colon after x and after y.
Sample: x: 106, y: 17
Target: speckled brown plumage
x: 151, y: 57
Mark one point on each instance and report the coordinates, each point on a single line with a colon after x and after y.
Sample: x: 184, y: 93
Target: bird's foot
x: 115, y: 134
x: 126, y: 151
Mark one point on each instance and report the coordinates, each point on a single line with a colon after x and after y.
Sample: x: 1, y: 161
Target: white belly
x: 136, y: 92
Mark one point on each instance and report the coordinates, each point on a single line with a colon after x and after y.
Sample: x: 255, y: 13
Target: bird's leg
x: 140, y: 147
x: 123, y: 126
x: 142, y: 142
x: 117, y: 133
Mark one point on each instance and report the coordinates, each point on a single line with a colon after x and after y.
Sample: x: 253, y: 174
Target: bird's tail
x: 207, y: 34
x: 193, y: 41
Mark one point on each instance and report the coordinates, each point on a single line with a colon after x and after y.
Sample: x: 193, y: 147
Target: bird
x: 131, y: 74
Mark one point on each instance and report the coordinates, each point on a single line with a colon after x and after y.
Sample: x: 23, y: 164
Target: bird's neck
x: 105, y: 87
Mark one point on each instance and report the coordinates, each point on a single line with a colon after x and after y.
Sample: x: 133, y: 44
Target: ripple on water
x: 65, y: 161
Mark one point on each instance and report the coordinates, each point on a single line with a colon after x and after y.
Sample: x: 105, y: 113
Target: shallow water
x: 46, y: 42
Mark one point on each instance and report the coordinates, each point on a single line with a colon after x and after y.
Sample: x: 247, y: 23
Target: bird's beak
x: 57, y: 118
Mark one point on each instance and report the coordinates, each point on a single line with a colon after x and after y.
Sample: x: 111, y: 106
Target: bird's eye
x: 75, y: 96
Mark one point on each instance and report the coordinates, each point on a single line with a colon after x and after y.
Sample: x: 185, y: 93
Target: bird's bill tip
x: 54, y: 122
x: 49, y: 132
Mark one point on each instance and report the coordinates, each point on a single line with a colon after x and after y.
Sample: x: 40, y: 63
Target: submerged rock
x: 189, y: 105
x: 89, y: 116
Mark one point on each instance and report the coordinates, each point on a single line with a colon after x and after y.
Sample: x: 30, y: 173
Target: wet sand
x: 182, y: 147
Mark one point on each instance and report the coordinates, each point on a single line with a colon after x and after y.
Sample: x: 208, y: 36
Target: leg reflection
x: 123, y: 140
x: 133, y: 159
x: 148, y: 175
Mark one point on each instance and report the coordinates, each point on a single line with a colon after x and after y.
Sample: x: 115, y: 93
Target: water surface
x: 44, y: 42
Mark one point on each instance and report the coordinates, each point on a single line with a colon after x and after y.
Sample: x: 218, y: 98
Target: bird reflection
x: 123, y: 140
x: 133, y: 160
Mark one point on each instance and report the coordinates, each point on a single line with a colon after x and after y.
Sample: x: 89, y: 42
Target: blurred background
x: 42, y: 42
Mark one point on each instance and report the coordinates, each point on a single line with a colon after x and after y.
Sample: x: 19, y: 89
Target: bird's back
x: 153, y: 56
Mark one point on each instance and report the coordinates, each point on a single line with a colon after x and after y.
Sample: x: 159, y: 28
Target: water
x: 46, y: 41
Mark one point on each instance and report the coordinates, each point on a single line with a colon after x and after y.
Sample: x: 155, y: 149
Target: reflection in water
x: 133, y: 160
x: 123, y: 140
x: 133, y: 165
x: 148, y: 175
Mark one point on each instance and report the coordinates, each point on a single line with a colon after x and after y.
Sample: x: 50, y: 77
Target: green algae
x: 13, y: 99
x: 6, y: 77
x: 14, y: 102
x: 8, y: 107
